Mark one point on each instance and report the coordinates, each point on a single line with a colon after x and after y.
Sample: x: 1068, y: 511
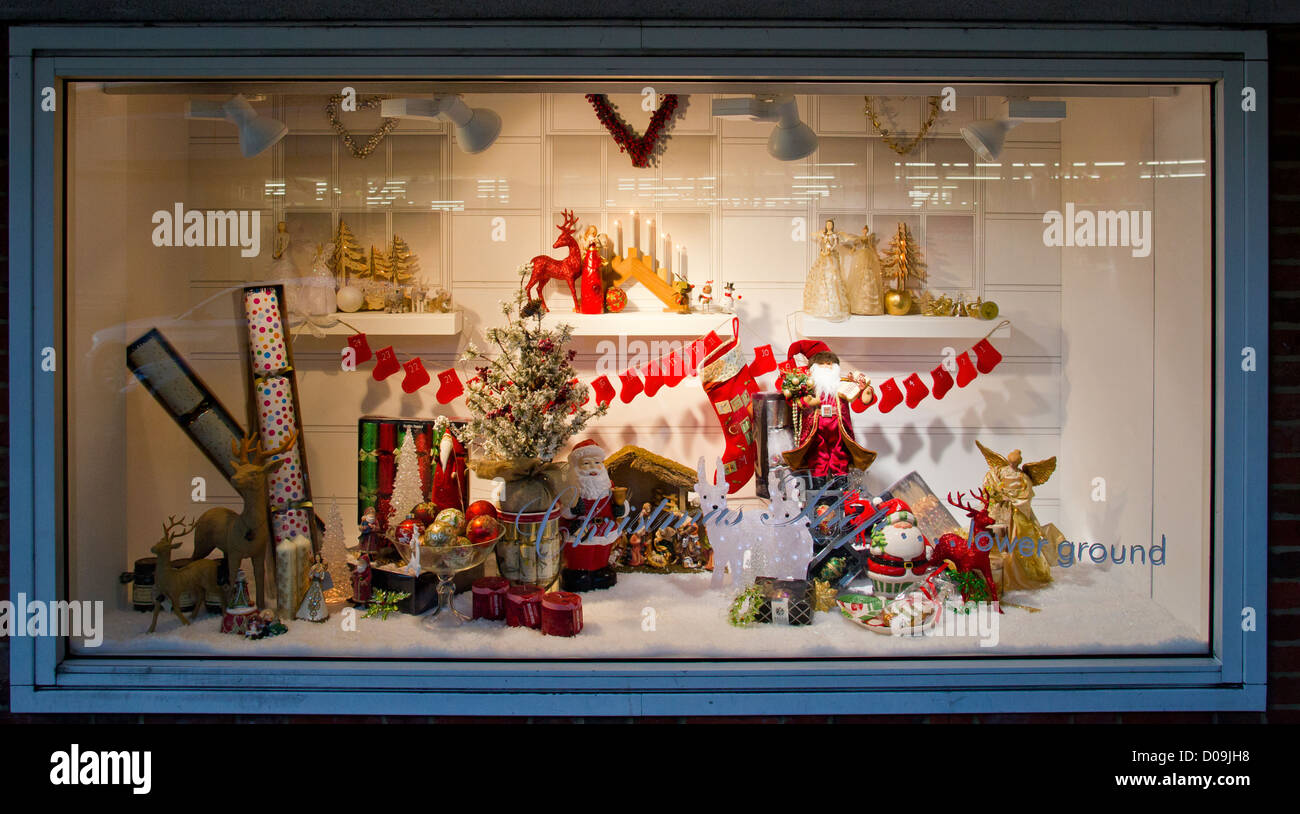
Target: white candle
x: 679, y: 263
x: 650, y: 244
x: 618, y: 238
x: 636, y: 231
x: 667, y: 252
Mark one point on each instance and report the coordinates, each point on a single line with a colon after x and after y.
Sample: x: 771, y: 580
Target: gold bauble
x: 898, y: 303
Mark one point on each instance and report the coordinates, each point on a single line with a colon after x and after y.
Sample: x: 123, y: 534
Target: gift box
x: 524, y: 606
x: 785, y: 601
x: 490, y: 598
x: 379, y: 440
x: 561, y: 614
x: 423, y: 589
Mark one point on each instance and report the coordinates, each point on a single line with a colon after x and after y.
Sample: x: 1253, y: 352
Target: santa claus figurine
x: 898, y: 553
x: 590, y: 526
x: 820, y: 403
x: 450, y: 482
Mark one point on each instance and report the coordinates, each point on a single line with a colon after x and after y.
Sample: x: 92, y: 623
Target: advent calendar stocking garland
x: 641, y: 149
x: 415, y: 375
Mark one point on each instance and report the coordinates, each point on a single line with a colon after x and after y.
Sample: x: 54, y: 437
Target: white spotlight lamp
x: 476, y: 127
x: 987, y: 136
x: 790, y: 140
x: 256, y: 133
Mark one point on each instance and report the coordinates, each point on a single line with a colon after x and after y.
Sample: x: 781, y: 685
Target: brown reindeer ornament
x: 547, y: 268
x: 244, y: 535
x: 198, y: 578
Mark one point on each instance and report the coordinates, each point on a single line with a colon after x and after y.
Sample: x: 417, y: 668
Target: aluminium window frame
x: 44, y: 679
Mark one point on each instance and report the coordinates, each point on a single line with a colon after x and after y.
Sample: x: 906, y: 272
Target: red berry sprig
x: 642, y: 148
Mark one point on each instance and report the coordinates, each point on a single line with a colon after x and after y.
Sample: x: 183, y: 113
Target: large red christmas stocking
x: 729, y: 386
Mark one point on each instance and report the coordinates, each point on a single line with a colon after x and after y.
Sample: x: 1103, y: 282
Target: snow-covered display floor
x: 678, y: 616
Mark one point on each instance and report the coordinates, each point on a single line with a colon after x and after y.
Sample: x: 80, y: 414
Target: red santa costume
x: 450, y: 481
x: 826, y: 445
x: 590, y: 527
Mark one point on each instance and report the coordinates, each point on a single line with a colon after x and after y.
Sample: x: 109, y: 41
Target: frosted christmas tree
x: 334, y: 550
x: 406, y: 483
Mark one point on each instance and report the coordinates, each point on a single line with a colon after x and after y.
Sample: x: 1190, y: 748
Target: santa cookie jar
x: 898, y: 553
x: 590, y: 527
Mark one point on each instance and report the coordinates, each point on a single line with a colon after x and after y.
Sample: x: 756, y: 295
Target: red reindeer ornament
x: 547, y: 268
x: 963, y: 552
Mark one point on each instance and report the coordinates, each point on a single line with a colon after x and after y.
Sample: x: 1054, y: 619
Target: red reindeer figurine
x: 964, y: 553
x: 547, y: 268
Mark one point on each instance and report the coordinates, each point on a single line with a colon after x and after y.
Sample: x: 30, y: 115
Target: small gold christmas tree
x: 405, y: 263
x: 349, y: 259
x: 902, y: 259
x: 381, y: 265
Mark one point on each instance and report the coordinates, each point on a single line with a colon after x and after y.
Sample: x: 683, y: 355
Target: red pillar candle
x: 490, y: 598
x: 524, y: 606
x: 561, y: 614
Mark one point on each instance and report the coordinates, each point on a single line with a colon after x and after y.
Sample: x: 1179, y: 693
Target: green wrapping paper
x: 368, y: 466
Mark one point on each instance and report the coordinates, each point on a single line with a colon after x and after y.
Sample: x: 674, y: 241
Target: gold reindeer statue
x: 244, y: 535
x: 198, y: 578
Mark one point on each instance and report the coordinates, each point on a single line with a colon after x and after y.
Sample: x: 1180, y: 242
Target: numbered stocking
x: 729, y: 387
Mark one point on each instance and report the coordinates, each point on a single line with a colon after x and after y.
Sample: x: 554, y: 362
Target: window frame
x: 44, y: 679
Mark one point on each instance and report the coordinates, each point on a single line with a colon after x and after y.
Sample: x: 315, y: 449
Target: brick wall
x: 1284, y: 441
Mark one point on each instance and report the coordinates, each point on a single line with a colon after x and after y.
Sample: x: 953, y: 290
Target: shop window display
x: 721, y: 376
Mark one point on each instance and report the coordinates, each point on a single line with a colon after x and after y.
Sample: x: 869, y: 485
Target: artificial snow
x: 679, y: 616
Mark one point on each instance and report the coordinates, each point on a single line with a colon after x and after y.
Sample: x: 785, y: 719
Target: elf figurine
x: 589, y: 527
x: 820, y: 403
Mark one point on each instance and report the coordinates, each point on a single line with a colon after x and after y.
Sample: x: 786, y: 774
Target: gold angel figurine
x: 1010, y: 487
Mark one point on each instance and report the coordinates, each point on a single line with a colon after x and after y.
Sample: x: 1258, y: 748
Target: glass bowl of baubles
x: 455, y: 543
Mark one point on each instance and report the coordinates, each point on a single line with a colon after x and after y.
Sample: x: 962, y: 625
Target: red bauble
x: 615, y: 300
x: 483, y: 528
x: 409, y: 531
x: 481, y: 507
x: 425, y: 513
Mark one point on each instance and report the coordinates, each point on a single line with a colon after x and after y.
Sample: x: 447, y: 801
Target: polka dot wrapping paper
x: 287, y: 525
x: 266, y: 337
x: 276, y: 419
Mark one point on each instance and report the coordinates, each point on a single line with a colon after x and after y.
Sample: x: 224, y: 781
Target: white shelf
x: 377, y: 323
x: 912, y: 326
x: 638, y: 323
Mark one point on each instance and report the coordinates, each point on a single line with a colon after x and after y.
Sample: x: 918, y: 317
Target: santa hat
x: 805, y: 348
x: 585, y: 450
x: 895, y: 511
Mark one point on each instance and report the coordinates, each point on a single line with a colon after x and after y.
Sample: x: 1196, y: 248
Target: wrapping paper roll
x: 290, y: 524
x: 215, y: 436
x: 150, y: 360
x: 387, y: 472
x: 266, y: 336
x: 275, y: 416
x: 387, y: 437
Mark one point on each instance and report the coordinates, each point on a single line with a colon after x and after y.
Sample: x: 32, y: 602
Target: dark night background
x: 1280, y: 17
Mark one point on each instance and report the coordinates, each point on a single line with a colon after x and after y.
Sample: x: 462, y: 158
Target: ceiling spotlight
x: 476, y: 127
x: 791, y: 139
x: 986, y: 136
x: 256, y: 133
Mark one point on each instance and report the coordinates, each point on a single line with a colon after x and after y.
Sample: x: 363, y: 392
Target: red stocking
x: 890, y: 396
x: 604, y: 390
x: 916, y: 390
x: 986, y: 356
x: 631, y: 386
x: 764, y: 361
x: 674, y: 368
x: 965, y: 370
x: 942, y: 382
x: 449, y: 386
x: 728, y: 385
x: 654, y: 378
x: 360, y: 347
x: 416, y: 376
x: 386, y: 364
